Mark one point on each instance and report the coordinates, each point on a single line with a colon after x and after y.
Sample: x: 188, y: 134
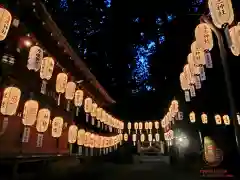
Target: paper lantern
x: 234, y: 33
x: 72, y: 134
x: 238, y: 118
x: 35, y: 58
x: 87, y: 139
x: 78, y: 100
x: 10, y: 101
x: 156, y: 124
x: 5, y: 23
x: 57, y: 126
x: 221, y: 12
x: 30, y: 112
x: 203, y: 34
x: 198, y: 54
x: 193, y: 69
x: 204, y: 118
x: 192, y: 117
x: 226, y: 120
x: 134, y: 139
x: 136, y: 126
x: 150, y: 139
x: 218, y: 119
x: 157, y: 137
x: 61, y: 84
x: 103, y: 117
x: 43, y: 119
x: 46, y: 70
x: 70, y: 93
x: 88, y: 107
x: 163, y: 123
x: 129, y: 126
x: 92, y: 138
x: 185, y: 86
x: 99, y: 116
x: 125, y: 137
x: 93, y: 112
x: 150, y: 126
x: 142, y: 138
x: 81, y: 137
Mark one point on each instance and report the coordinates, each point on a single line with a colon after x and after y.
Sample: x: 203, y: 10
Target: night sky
x: 137, y: 51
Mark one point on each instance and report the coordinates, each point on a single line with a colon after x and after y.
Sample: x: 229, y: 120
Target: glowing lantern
x: 221, y: 12
x: 30, y: 112
x: 140, y: 127
x: 88, y: 107
x: 192, y: 117
x: 35, y: 58
x: 142, y: 138
x: 57, y: 126
x: 238, y: 118
x: 193, y: 69
x: 103, y: 118
x: 150, y: 139
x: 156, y: 124
x: 204, y: 118
x: 175, y: 106
x: 70, y: 93
x: 198, y: 54
x: 46, y: 70
x: 234, y: 34
x: 61, y: 84
x: 72, y: 135
x: 136, y: 126
x: 226, y: 120
x: 125, y: 137
x: 92, y: 138
x: 99, y: 116
x: 80, y: 140
x: 43, y: 119
x: 203, y: 34
x: 134, y: 138
x: 185, y: 86
x: 5, y: 23
x: 129, y: 126
x: 163, y: 123
x: 87, y: 142
x: 150, y: 126
x: 218, y: 119
x: 94, y: 112
x: 10, y: 101
x: 157, y: 137
x: 78, y: 100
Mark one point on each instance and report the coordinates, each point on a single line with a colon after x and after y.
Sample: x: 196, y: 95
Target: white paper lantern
x: 72, y: 134
x: 226, y: 120
x: 69, y: 93
x: 5, y: 23
x: 61, y: 84
x: 30, y: 112
x: 221, y: 12
x: 10, y: 101
x: 203, y: 34
x: 78, y: 100
x: 46, y: 70
x: 43, y: 119
x: 235, y: 37
x: 218, y: 119
x: 57, y: 126
x: 35, y: 58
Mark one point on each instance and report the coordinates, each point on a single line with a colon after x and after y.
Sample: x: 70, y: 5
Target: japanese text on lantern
x: 220, y: 7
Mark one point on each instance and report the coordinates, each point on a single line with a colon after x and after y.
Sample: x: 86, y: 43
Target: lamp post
x: 223, y: 55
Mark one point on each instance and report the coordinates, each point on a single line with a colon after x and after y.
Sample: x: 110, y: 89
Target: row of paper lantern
x: 142, y: 138
x: 193, y: 72
x: 69, y: 88
x: 92, y: 140
x: 36, y: 62
x: 11, y: 98
x: 173, y: 110
x: 218, y: 119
